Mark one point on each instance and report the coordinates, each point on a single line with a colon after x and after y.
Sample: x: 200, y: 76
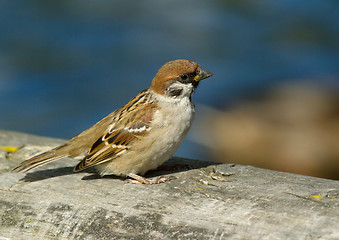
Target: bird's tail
x: 39, y: 160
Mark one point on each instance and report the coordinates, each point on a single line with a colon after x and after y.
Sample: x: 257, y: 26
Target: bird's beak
x: 202, y: 75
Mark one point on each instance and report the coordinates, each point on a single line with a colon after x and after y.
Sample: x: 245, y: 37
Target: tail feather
x: 38, y: 160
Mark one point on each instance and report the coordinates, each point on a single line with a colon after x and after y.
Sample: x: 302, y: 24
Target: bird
x: 141, y: 135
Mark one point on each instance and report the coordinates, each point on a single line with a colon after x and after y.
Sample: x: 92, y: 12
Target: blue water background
x: 66, y: 64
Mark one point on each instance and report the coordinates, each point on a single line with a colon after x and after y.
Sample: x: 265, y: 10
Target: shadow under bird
x: 139, y: 136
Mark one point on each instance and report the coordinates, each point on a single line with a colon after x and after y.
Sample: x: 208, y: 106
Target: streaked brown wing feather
x: 127, y: 127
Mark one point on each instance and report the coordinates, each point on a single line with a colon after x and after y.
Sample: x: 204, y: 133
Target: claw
x: 141, y: 180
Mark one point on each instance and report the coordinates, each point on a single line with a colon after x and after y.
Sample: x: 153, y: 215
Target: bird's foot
x: 136, y: 179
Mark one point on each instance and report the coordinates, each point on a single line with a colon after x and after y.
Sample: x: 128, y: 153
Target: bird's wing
x: 129, y: 124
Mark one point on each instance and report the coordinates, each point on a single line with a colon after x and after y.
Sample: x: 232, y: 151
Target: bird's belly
x: 154, y: 149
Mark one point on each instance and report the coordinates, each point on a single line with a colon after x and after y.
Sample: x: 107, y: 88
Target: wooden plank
x: 207, y: 201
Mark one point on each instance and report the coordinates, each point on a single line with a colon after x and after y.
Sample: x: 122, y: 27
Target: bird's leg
x: 141, y: 180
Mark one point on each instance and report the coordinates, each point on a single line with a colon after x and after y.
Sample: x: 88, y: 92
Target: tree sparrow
x: 139, y: 136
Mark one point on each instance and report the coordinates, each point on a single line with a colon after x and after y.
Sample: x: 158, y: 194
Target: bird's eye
x: 184, y: 76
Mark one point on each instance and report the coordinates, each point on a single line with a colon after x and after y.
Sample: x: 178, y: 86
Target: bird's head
x: 178, y: 78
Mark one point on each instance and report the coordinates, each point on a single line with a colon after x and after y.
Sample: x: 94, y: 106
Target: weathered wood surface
x: 208, y: 201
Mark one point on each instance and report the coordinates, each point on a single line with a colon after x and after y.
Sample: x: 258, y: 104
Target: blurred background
x: 272, y: 103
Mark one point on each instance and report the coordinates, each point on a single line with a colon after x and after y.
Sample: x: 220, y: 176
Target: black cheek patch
x: 175, y: 92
